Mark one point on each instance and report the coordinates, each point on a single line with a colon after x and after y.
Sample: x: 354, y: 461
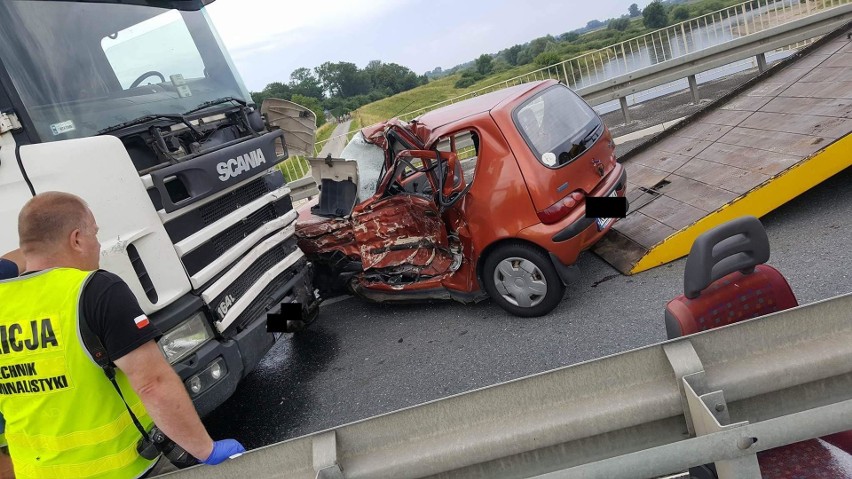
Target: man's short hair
x: 48, y: 218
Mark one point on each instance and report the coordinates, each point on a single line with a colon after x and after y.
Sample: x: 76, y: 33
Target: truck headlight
x: 185, y: 338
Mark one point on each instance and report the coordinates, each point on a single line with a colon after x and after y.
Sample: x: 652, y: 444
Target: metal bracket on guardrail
x: 684, y: 361
x: 707, y: 412
x: 325, y: 456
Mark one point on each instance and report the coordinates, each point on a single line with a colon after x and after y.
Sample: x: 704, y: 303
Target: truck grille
x: 205, y: 254
x: 291, y: 286
x: 226, y: 204
x: 265, y: 262
x: 185, y: 225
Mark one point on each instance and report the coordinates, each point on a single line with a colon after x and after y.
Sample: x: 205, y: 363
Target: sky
x: 268, y: 39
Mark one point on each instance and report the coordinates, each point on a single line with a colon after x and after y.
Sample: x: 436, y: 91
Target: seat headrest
x: 738, y: 245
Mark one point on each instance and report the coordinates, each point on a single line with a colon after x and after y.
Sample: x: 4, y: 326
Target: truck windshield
x: 79, y: 67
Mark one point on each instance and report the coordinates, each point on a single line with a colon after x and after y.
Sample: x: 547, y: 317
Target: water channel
x: 671, y: 45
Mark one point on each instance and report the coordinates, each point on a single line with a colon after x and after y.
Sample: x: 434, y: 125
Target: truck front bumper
x: 218, y: 366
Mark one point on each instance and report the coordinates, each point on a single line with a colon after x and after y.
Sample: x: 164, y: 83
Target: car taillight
x: 560, y: 209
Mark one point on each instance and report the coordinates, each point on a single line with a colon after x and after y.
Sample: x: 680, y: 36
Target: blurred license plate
x: 603, y: 222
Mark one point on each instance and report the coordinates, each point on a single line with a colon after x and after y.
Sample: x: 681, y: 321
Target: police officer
x: 63, y: 417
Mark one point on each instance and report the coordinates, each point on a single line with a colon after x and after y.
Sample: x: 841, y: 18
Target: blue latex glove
x: 224, y: 450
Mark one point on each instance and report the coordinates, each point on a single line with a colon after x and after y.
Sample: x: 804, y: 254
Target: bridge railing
x: 669, y: 43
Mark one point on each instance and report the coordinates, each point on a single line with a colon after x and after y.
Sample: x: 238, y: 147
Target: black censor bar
x: 606, y: 207
x: 277, y: 322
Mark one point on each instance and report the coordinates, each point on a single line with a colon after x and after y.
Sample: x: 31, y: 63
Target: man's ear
x: 74, y: 240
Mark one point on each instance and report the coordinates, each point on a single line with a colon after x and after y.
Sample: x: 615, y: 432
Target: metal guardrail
x: 721, y: 395
x: 690, y: 65
x: 671, y: 43
x: 303, y: 188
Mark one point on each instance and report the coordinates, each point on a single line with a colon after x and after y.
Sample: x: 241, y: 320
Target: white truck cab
x: 136, y: 107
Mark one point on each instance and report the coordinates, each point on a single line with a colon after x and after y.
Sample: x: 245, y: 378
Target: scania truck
x: 136, y: 107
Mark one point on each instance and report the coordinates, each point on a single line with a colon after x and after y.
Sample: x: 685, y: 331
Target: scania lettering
x: 137, y: 108
x: 239, y: 165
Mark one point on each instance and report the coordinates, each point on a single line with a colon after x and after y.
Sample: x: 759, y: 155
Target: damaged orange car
x: 485, y: 197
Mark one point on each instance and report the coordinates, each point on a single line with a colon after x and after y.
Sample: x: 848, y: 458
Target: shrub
x: 619, y: 24
x: 679, y: 13
x: 547, y: 58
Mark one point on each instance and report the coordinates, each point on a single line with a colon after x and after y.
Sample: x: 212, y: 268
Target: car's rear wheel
x: 522, y: 280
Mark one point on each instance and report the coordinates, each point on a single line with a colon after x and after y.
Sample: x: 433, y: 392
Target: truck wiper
x: 147, y: 118
x: 217, y: 101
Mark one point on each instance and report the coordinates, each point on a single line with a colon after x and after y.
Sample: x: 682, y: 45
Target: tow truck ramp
x: 785, y: 132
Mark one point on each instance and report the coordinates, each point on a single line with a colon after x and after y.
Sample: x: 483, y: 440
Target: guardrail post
x: 623, y: 101
x: 325, y: 456
x: 707, y: 412
x: 693, y: 87
x: 761, y: 62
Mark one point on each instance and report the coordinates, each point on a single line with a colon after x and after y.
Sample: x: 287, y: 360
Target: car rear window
x: 557, y: 125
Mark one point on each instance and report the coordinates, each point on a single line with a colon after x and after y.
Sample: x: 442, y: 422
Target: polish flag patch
x: 141, y: 321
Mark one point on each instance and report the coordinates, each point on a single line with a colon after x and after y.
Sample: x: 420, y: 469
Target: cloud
x: 261, y: 22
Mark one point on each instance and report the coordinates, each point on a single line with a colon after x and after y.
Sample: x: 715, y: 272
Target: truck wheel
x: 522, y: 280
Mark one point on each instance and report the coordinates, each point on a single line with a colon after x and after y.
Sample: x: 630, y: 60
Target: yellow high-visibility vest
x: 64, y: 418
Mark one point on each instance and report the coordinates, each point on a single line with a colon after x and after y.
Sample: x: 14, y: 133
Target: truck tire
x: 521, y: 279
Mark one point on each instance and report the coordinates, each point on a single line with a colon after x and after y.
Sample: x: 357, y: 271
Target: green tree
x: 654, y: 15
x: 540, y: 44
x: 272, y: 90
x: 679, y: 13
x: 592, y: 24
x: 633, y: 10
x: 569, y: 37
x: 511, y: 54
x: 303, y: 82
x: 619, y: 24
x: 484, y: 64
x: 343, y: 79
x: 390, y: 77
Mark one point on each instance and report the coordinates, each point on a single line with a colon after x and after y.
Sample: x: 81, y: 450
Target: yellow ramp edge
x: 759, y: 201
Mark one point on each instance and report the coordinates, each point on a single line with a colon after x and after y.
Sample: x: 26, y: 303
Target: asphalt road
x: 337, y: 140
x: 363, y: 359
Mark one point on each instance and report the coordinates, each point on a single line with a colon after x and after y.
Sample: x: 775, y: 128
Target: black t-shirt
x: 8, y: 269
x: 114, y: 315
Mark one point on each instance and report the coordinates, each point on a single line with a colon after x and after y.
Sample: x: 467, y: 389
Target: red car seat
x: 725, y: 280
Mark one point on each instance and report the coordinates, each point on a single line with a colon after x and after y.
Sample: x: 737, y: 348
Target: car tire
x: 521, y: 279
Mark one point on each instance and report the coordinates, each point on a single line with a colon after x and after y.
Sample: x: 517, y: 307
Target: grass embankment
x: 297, y: 167
x: 324, y: 133
x: 354, y: 126
x: 294, y: 168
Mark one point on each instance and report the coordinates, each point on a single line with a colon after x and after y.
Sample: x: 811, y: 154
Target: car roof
x: 480, y: 104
